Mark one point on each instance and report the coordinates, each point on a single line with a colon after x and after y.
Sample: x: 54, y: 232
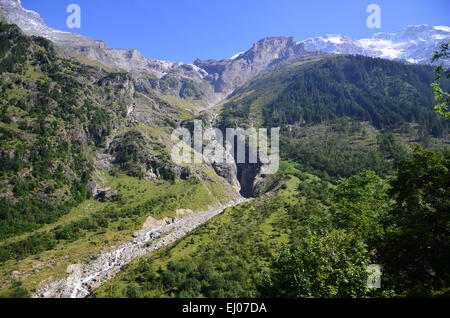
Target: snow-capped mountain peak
x: 415, y: 43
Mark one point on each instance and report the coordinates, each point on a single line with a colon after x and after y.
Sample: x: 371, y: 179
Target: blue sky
x: 183, y: 30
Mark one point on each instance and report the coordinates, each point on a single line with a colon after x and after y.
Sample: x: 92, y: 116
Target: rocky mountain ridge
x: 227, y: 75
x: 414, y: 44
x: 31, y: 23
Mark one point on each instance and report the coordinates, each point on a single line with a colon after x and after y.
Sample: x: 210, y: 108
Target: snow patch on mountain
x: 236, y: 55
x: 442, y: 28
x: 414, y: 44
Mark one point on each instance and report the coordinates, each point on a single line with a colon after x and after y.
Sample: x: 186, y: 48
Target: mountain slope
x: 227, y: 75
x: 118, y: 59
x: 414, y: 44
x: 32, y: 24
x: 51, y: 111
x: 85, y: 158
x: 199, y: 266
x: 321, y: 89
x: 338, y: 114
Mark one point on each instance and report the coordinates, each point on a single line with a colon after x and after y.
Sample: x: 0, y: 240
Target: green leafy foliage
x: 441, y: 96
x: 384, y: 93
x: 416, y: 249
x: 341, y: 149
x: 330, y: 264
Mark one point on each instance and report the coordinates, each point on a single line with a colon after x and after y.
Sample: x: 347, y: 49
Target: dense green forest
x: 342, y: 149
x: 384, y: 93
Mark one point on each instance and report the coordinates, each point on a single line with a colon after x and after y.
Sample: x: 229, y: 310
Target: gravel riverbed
x: 84, y: 278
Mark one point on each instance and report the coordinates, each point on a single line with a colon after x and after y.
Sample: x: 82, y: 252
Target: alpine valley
x: 92, y: 205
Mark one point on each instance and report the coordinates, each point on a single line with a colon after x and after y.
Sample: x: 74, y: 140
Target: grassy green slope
x: 229, y: 255
x: 91, y: 226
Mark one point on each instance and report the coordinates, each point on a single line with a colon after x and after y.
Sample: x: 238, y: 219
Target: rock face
x: 106, y: 194
x: 226, y: 75
x: 101, y: 194
x: 228, y: 171
x: 3, y: 17
x: 152, y: 223
x: 226, y: 168
x: 248, y: 175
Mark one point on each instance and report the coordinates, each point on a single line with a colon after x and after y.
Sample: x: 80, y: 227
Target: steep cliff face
x: 3, y: 17
x: 226, y: 75
x: 228, y: 171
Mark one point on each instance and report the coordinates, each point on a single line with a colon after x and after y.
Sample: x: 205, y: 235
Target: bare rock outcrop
x: 227, y: 75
